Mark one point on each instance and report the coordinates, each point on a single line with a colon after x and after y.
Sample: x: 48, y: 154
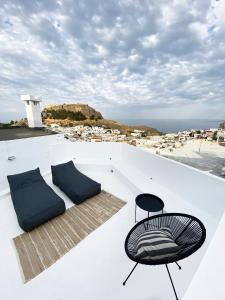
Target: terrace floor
x: 96, y: 268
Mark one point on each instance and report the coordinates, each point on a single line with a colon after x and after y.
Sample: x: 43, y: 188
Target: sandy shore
x: 204, y: 155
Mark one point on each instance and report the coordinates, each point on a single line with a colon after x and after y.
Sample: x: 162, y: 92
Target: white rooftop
x: 96, y: 267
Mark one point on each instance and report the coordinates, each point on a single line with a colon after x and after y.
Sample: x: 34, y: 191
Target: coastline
x: 174, y: 125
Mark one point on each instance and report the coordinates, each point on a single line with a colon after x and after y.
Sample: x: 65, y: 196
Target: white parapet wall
x: 204, y: 191
x: 208, y: 282
x: 33, y: 110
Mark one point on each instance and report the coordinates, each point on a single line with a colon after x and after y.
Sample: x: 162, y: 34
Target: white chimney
x: 33, y: 110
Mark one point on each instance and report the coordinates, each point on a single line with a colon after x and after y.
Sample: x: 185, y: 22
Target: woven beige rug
x: 42, y: 247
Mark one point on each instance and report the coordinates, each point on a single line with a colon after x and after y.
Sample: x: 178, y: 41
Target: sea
x: 174, y: 125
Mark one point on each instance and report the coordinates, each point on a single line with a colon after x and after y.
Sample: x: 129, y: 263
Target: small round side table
x: 148, y: 202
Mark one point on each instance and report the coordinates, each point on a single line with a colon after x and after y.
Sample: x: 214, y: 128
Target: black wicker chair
x: 187, y: 231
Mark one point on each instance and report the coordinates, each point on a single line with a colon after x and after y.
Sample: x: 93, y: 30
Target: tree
x: 144, y: 134
x: 214, y: 136
x: 5, y: 125
x: 62, y: 114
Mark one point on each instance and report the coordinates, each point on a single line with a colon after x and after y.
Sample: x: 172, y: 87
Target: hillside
x: 82, y: 114
x: 75, y: 112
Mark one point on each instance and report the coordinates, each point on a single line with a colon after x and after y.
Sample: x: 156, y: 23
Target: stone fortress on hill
x: 71, y: 115
x: 77, y: 122
x: 85, y: 109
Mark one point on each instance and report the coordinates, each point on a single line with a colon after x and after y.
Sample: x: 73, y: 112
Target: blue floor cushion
x: 34, y: 201
x: 77, y: 186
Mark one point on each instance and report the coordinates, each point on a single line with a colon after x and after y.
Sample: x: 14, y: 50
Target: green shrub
x: 214, y: 136
x: 63, y: 114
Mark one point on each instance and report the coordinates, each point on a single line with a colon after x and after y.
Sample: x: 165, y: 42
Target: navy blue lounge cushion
x: 77, y: 186
x: 34, y: 201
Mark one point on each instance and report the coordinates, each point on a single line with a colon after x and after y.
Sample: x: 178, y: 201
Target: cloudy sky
x: 126, y: 58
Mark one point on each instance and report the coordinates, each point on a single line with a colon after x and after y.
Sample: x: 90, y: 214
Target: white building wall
x: 33, y: 114
x: 45, y: 151
x: 26, y: 154
x: 33, y: 111
x: 208, y: 282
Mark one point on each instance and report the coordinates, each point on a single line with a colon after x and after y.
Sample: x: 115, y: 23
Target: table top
x: 149, y: 202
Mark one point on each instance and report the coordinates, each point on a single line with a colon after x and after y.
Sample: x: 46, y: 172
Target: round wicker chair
x: 187, y: 232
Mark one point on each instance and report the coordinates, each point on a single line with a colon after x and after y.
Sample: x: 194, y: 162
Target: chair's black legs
x: 172, y: 282
x: 178, y: 265
x: 135, y: 213
x: 130, y: 274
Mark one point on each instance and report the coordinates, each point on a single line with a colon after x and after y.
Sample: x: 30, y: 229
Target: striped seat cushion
x: 156, y: 245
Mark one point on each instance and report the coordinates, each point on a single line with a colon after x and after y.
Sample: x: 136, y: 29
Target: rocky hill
x: 76, y: 112
x: 82, y: 114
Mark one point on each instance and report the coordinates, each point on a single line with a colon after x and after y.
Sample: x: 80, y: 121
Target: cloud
x: 129, y: 59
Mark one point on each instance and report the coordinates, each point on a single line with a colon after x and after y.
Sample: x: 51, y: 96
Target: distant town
x: 137, y: 137
x: 202, y: 149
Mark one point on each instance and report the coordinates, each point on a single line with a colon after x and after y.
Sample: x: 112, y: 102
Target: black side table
x: 148, y: 202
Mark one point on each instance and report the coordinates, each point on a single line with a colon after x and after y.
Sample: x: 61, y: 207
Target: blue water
x: 174, y: 125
